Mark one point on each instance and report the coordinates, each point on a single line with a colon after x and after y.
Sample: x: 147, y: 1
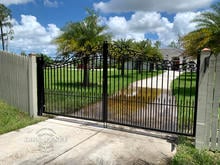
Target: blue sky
x: 57, y: 12
x: 38, y: 22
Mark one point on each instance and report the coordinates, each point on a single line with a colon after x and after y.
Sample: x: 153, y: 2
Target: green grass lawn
x: 184, y: 90
x: 64, y: 92
x: 184, y: 87
x: 187, y: 154
x: 64, y: 79
x: 13, y: 119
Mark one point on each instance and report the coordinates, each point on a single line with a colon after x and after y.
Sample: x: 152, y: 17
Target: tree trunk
x: 3, y: 44
x: 86, y: 72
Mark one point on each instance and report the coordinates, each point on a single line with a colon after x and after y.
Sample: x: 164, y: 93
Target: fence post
x: 201, y: 126
x: 105, y: 81
x: 32, y: 85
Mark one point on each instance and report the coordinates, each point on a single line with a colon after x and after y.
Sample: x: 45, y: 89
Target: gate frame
x: 40, y: 86
x: 197, y: 91
x: 105, y: 82
x: 41, y: 93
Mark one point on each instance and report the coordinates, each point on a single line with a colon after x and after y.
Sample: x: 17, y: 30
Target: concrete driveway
x: 56, y: 141
x: 162, y: 81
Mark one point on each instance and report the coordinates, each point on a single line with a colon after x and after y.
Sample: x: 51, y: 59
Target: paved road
x: 78, y: 143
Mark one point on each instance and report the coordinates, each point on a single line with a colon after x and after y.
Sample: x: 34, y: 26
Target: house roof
x: 171, y: 52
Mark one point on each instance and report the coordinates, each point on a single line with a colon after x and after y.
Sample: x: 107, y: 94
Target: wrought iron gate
x: 139, y: 92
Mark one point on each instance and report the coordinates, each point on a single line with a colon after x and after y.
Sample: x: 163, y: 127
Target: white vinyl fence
x: 208, y: 119
x: 18, y: 82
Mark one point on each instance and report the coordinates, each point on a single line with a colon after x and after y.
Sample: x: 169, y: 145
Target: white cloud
x: 118, y: 27
x: 118, y: 24
x: 30, y: 36
x: 142, y: 23
x: 14, y: 2
x: 148, y: 18
x: 49, y: 3
x: 182, y: 22
x: 151, y: 5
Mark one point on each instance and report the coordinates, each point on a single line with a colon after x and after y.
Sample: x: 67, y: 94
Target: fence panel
x: 215, y: 144
x: 17, y: 82
x: 217, y: 101
x: 209, y: 97
x: 207, y: 132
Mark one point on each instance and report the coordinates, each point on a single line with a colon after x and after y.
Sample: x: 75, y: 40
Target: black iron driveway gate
x: 126, y: 90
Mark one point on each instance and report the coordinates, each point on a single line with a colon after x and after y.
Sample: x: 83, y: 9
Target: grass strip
x: 187, y: 154
x: 12, y: 119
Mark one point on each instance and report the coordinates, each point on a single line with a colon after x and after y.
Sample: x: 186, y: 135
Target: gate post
x: 40, y: 85
x: 105, y: 81
x: 201, y: 121
x: 32, y: 85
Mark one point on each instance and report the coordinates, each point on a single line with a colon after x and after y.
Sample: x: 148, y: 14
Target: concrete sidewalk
x: 59, y: 142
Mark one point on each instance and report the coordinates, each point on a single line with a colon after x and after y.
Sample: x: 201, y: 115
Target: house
x: 133, y: 65
x: 170, y: 53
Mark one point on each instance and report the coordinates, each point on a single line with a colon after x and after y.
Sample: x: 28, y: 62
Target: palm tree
x: 147, y: 52
x: 195, y: 41
x: 5, y: 16
x: 207, y: 33
x: 157, y: 44
x: 121, y: 51
x: 83, y: 40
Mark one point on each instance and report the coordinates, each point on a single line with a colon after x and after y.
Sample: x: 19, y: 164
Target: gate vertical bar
x: 105, y: 81
x: 40, y: 85
x: 197, y: 92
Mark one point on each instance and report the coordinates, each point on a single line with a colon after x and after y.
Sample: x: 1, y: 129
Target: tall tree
x: 157, y: 44
x: 175, y: 44
x: 147, y: 51
x: 83, y: 40
x: 5, y: 25
x: 121, y: 51
x: 47, y: 59
x: 207, y: 33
